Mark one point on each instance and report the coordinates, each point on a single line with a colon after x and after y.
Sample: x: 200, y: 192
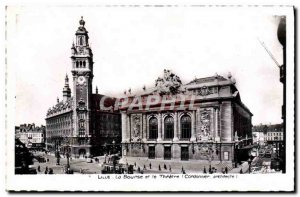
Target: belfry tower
x: 82, y: 71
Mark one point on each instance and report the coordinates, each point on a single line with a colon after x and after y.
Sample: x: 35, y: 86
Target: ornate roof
x: 61, y: 107
x: 24, y: 128
x: 207, y: 79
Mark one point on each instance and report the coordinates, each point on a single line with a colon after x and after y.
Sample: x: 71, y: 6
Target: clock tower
x: 82, y: 71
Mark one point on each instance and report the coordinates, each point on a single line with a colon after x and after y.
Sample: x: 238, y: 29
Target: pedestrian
x: 226, y: 170
x: 139, y: 169
x: 241, y: 171
x: 39, y: 168
x: 144, y: 167
x: 50, y: 171
x: 159, y: 167
x: 150, y: 165
x: 209, y: 169
x: 204, y: 170
x: 134, y: 164
x: 182, y: 170
x: 165, y: 167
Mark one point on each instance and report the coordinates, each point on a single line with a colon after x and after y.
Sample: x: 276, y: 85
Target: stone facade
x: 201, y: 120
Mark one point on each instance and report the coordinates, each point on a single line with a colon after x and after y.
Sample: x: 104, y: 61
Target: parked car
x: 255, y: 170
x: 261, y: 153
x: 268, y: 153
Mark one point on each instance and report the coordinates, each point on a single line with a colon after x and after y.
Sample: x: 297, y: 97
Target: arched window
x: 186, y: 127
x: 77, y: 64
x: 80, y: 64
x: 84, y: 64
x: 80, y: 40
x: 169, y: 128
x: 153, y: 128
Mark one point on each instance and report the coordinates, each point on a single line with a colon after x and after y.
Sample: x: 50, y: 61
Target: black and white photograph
x: 150, y: 98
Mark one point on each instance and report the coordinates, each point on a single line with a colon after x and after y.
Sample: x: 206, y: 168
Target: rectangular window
x: 185, y: 153
x: 151, y: 153
x: 167, y: 153
x: 226, y: 155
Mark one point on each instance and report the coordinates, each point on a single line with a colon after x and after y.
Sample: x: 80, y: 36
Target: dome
x: 82, y: 22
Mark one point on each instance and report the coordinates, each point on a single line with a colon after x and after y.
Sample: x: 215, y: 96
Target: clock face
x: 81, y: 80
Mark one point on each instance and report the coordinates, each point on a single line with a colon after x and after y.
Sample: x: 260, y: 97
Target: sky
x: 133, y: 45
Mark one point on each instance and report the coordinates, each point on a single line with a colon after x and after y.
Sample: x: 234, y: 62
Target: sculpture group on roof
x: 169, y: 84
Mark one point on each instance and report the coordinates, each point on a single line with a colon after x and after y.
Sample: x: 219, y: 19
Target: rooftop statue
x: 169, y: 84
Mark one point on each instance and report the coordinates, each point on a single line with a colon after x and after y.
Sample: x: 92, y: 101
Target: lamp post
x: 57, y: 152
x: 68, y: 152
x: 249, y: 163
x: 113, y: 143
x: 104, y: 146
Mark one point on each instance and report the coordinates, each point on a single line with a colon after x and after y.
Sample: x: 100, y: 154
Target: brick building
x: 76, y: 124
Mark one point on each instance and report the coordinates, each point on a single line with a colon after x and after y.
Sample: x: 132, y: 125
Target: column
x: 124, y: 126
x: 159, y: 118
x: 217, y: 138
x: 128, y: 136
x: 175, y: 127
x: 198, y: 123
x: 193, y: 136
x: 144, y: 131
x: 212, y: 123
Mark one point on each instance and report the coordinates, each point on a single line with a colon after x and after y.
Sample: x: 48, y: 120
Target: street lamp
x: 68, y: 152
x: 113, y: 143
x: 57, y: 153
x: 249, y: 163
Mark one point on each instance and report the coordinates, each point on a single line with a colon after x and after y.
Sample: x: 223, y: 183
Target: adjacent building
x: 268, y: 134
x: 31, y: 136
x: 258, y: 133
x: 76, y: 124
x: 274, y: 134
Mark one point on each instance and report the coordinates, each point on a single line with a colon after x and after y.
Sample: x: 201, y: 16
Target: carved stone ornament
x: 169, y: 84
x: 204, y: 91
x: 136, y: 128
x: 205, y: 125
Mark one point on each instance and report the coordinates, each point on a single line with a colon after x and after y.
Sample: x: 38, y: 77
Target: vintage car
x: 261, y: 153
x: 111, y: 168
x: 268, y: 153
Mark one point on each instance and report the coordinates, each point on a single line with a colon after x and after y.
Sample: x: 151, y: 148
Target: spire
x: 66, y: 89
x: 67, y: 81
x: 96, y: 89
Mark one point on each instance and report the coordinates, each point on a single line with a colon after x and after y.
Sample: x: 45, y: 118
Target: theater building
x: 204, y: 119
x: 76, y: 124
